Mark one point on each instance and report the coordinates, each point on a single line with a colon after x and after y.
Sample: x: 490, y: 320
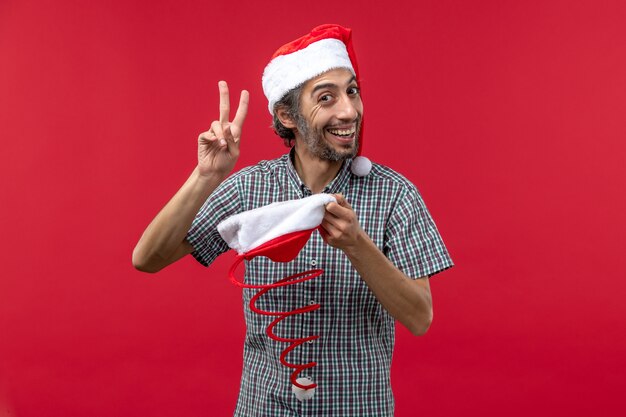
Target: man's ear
x: 285, y: 118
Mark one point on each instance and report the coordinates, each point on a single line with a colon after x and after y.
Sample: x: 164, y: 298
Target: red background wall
x: 509, y: 116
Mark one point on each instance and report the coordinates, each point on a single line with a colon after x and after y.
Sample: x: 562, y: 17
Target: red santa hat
x: 325, y: 48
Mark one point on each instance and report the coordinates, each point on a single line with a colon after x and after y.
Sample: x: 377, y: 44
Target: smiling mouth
x: 343, y: 133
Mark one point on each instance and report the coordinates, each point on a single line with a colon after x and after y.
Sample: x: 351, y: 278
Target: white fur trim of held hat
x: 250, y: 229
x: 286, y: 72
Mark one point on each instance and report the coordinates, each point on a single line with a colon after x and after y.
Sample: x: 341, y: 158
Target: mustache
x: 356, y: 122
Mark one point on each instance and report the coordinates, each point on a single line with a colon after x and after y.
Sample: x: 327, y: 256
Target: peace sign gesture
x: 218, y: 148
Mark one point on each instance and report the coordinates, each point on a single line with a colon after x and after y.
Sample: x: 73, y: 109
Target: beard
x: 319, y: 147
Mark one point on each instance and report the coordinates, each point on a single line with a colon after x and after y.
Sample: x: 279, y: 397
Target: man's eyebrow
x: 330, y: 85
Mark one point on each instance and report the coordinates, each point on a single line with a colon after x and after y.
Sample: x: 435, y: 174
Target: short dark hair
x: 291, y: 103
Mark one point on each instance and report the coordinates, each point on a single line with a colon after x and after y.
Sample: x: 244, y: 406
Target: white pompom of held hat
x: 325, y: 48
x: 303, y: 394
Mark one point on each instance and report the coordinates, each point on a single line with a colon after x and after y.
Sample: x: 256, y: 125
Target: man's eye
x: 325, y: 97
x: 353, y: 91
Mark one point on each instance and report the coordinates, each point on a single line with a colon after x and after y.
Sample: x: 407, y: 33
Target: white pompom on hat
x: 303, y: 394
x: 325, y: 48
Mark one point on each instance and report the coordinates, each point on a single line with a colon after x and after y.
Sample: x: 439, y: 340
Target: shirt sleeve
x: 413, y: 242
x: 203, y: 235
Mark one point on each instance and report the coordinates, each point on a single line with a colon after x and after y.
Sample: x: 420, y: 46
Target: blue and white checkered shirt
x: 353, y: 353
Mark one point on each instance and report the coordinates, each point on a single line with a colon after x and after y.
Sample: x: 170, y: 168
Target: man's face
x: 331, y: 112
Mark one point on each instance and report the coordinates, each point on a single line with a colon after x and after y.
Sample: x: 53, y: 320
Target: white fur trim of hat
x: 286, y: 72
x: 250, y: 229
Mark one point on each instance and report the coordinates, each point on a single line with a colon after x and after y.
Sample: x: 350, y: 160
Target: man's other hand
x: 218, y: 148
x: 340, y: 226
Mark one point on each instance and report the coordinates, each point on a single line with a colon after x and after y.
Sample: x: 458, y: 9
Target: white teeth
x: 342, y: 132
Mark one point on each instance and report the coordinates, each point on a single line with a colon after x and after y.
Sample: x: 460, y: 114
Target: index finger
x: 224, y: 102
x: 341, y: 200
x: 335, y: 209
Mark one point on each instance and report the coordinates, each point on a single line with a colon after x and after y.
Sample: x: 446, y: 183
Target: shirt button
x: 309, y: 341
x: 312, y: 302
x: 313, y: 262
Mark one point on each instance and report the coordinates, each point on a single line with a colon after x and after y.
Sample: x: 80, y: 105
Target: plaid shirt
x: 354, y: 351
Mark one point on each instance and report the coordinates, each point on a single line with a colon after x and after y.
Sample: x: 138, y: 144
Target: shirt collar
x: 337, y: 185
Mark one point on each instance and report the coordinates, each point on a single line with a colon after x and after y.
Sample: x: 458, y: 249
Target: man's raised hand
x: 218, y: 148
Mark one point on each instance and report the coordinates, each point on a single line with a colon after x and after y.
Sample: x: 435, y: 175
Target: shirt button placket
x: 311, y: 318
x: 314, y: 330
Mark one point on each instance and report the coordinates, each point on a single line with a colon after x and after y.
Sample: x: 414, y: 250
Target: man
x: 378, y: 245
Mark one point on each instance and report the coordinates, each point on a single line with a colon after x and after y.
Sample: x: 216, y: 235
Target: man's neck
x: 314, y: 172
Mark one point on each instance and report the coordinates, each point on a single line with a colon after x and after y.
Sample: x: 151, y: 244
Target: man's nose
x: 346, y: 108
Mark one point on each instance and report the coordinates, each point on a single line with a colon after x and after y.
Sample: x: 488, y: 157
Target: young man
x: 378, y: 245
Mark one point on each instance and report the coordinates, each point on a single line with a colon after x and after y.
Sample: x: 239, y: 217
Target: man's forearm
x: 407, y: 300
x: 163, y: 241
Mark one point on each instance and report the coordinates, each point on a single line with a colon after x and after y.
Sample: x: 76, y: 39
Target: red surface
x: 508, y: 115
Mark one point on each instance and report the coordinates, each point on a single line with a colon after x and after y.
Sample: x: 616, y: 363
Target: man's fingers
x: 224, y: 102
x: 216, y: 128
x: 341, y: 200
x: 336, y: 209
x: 332, y: 210
x: 242, y: 110
x: 327, y: 228
x: 209, y: 137
x: 228, y: 135
x: 330, y: 223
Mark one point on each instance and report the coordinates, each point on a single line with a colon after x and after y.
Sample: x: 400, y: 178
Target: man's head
x: 325, y: 48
